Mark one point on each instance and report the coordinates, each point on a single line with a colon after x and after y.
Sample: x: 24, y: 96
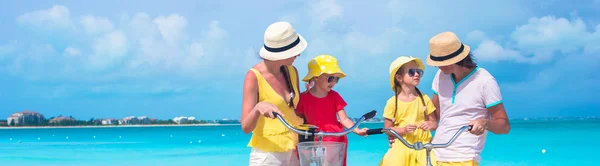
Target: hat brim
x: 398, y: 64
x: 275, y: 56
x: 450, y: 61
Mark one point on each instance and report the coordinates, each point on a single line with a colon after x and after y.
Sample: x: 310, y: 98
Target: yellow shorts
x: 464, y: 163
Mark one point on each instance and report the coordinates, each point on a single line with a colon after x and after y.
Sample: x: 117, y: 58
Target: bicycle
x: 419, y: 145
x: 322, y: 153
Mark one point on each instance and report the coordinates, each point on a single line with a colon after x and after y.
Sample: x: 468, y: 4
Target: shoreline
x: 111, y: 126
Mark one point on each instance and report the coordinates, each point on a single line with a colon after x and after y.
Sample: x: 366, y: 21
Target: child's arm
x: 400, y: 130
x: 348, y: 123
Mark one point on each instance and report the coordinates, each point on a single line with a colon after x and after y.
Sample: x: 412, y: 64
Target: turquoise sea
x: 567, y: 142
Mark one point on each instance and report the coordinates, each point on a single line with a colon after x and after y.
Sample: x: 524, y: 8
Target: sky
x: 112, y: 59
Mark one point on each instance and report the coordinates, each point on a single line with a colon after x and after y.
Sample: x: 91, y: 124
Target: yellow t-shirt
x: 403, y: 114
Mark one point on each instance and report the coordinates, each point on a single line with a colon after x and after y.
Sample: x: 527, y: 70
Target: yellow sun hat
x: 323, y: 64
x: 401, y: 61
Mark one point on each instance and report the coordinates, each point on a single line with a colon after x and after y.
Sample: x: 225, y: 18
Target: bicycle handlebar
x: 419, y: 145
x: 366, y: 116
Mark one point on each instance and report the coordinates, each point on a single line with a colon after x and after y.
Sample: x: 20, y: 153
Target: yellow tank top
x: 270, y: 134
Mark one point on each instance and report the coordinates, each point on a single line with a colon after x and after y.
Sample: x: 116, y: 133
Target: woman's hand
x: 266, y: 109
x: 479, y: 126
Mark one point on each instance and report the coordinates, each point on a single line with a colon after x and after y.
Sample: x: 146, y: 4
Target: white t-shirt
x: 460, y: 103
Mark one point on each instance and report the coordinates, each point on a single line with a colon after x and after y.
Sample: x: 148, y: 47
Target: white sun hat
x: 282, y: 42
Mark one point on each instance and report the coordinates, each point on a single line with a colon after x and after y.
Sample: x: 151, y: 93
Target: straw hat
x: 446, y: 49
x: 323, y: 64
x: 401, y: 61
x: 282, y: 42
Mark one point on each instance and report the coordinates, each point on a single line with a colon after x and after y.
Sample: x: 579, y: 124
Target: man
x: 464, y: 94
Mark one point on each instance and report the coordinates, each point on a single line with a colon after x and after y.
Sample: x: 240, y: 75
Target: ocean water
x: 567, y: 142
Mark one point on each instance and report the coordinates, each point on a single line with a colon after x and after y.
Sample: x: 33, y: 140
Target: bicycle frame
x: 419, y: 145
x: 321, y: 134
x: 311, y: 131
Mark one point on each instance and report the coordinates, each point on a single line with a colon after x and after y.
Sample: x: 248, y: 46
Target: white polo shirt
x: 460, y: 103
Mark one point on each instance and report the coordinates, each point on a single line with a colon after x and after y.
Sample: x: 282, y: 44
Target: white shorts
x: 262, y: 158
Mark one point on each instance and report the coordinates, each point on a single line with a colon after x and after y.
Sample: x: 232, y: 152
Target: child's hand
x: 427, y: 125
x: 391, y: 140
x: 362, y: 132
x: 309, y: 85
x: 410, y: 128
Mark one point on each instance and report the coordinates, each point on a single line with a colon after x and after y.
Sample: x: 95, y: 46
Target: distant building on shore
x: 61, y: 119
x: 25, y: 118
x: 183, y: 119
x: 226, y: 121
x: 109, y: 121
x: 132, y: 120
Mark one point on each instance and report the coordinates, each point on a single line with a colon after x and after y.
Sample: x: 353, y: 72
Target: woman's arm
x: 249, y: 100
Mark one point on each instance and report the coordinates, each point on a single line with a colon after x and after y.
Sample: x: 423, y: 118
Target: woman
x: 465, y: 94
x: 272, y: 86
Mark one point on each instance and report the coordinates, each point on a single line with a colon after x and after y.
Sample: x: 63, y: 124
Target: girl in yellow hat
x: 320, y: 105
x: 408, y: 112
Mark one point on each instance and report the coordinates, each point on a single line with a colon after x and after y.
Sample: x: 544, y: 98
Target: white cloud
x: 172, y: 27
x: 475, y: 36
x: 95, y: 25
x: 10, y: 48
x: 193, y: 61
x: 70, y: 51
x: 215, y: 31
x: 58, y: 16
x: 326, y: 10
x: 196, y: 50
x: 543, y: 36
x: 489, y: 50
x: 574, y: 75
x: 33, y: 60
x: 592, y: 46
x: 373, y: 45
x: 538, y: 41
x: 141, y: 27
x: 108, y: 49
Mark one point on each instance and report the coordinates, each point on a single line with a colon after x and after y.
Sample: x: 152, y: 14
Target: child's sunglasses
x: 332, y: 79
x: 412, y: 72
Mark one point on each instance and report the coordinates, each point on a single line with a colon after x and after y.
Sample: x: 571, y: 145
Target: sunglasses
x: 332, y: 79
x: 412, y: 72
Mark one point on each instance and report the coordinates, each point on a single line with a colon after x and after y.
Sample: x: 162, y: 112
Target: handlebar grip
x: 375, y: 131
